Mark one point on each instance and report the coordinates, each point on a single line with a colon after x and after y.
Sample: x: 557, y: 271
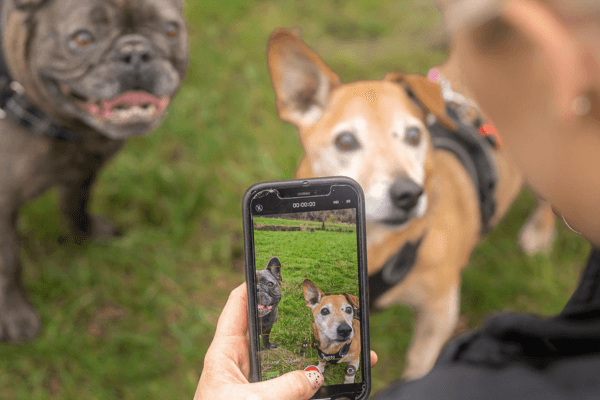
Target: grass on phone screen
x: 329, y: 259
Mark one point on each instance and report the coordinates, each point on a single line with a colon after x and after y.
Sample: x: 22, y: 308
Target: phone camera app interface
x: 307, y: 294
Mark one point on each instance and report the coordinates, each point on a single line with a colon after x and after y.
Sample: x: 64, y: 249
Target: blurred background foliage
x: 132, y: 318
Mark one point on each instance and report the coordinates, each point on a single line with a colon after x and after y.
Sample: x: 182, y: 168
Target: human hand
x: 227, y: 363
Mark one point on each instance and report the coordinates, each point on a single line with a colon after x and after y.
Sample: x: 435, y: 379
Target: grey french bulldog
x: 268, y: 291
x: 103, y: 69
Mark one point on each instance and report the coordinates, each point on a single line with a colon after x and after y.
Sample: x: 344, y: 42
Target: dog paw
x: 538, y: 234
x: 18, y: 319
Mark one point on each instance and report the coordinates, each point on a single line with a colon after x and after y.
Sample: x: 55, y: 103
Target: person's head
x: 534, y: 68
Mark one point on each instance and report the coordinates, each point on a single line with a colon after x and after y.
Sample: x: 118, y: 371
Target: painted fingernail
x: 315, y: 378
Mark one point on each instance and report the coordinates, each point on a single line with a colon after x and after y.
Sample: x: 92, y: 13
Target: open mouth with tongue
x: 129, y: 107
x: 264, y: 310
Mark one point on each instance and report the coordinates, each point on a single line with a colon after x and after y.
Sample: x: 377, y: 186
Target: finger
x: 373, y: 358
x: 234, y: 317
x: 296, y: 385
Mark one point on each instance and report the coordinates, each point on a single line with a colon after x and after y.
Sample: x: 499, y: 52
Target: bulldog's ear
x: 274, y: 266
x: 312, y: 294
x: 302, y: 81
x: 353, y: 300
x: 426, y: 93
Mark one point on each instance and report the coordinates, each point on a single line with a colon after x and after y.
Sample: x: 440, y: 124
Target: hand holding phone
x: 306, y: 276
x: 226, y: 366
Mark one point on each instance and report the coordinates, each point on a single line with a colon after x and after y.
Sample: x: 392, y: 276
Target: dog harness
x: 15, y: 106
x: 335, y: 358
x: 472, y: 149
x: 394, y: 271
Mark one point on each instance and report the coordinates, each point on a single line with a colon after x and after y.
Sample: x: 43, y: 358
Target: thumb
x: 296, y: 385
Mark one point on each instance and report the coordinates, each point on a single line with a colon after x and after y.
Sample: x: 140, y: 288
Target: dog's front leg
x: 18, y: 319
x: 435, y: 321
x: 321, y: 365
x: 266, y: 338
x: 74, y: 200
x: 351, y: 370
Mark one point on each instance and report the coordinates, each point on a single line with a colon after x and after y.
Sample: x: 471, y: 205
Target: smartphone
x: 305, y: 253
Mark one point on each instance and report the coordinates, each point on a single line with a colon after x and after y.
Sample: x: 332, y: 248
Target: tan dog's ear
x: 312, y: 294
x: 302, y: 81
x: 352, y: 299
x: 426, y: 93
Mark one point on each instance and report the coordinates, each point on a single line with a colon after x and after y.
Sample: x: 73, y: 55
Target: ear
x: 353, y: 300
x: 312, y: 294
x: 565, y: 61
x: 426, y: 93
x: 302, y: 81
x: 274, y: 266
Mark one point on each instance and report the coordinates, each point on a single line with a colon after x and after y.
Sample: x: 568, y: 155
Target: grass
x: 327, y: 258
x: 132, y: 318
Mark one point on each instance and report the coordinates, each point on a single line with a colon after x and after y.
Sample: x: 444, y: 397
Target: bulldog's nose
x: 135, y: 51
x: 344, y: 330
x: 405, y: 193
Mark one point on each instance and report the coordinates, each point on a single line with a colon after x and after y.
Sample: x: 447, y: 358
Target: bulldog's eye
x: 413, y: 136
x: 270, y: 284
x: 172, y: 30
x: 348, y: 310
x: 82, y: 38
x: 346, y: 141
x: 325, y: 311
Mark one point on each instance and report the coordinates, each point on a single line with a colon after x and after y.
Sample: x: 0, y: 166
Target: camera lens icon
x: 258, y: 207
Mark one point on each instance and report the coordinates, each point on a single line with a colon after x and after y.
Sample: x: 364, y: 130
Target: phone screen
x: 308, y: 286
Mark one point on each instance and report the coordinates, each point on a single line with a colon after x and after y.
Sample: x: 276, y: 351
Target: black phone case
x: 362, y: 270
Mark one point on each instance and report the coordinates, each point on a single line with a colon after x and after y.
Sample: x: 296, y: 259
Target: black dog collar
x: 336, y: 357
x: 15, y: 106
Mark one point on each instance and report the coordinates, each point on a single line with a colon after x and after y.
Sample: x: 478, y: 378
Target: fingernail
x: 315, y: 378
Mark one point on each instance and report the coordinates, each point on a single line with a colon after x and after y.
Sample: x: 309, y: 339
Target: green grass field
x: 132, y: 318
x: 327, y: 258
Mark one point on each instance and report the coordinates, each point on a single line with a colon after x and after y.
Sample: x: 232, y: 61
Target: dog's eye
x: 324, y: 311
x: 346, y: 141
x: 82, y: 38
x: 413, y: 136
x: 348, y: 310
x: 270, y: 284
x: 172, y: 30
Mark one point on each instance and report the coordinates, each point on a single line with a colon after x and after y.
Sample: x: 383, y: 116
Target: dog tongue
x: 265, y: 308
x: 127, y: 99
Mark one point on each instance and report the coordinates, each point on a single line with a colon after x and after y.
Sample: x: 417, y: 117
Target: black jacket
x: 517, y: 356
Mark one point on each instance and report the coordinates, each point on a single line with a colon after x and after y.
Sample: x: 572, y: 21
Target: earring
x: 569, y: 226
x: 581, y: 105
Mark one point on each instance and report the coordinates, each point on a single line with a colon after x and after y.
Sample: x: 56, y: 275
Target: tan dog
x: 336, y: 328
x: 423, y: 211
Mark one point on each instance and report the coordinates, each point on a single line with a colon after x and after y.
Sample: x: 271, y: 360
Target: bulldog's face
x: 112, y: 64
x: 268, y: 289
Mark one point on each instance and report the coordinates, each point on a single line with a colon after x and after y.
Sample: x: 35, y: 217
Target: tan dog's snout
x: 405, y: 193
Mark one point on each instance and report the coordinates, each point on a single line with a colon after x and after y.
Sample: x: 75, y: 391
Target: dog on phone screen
x: 268, y: 291
x: 336, y: 328
x: 427, y: 206
x: 77, y: 77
